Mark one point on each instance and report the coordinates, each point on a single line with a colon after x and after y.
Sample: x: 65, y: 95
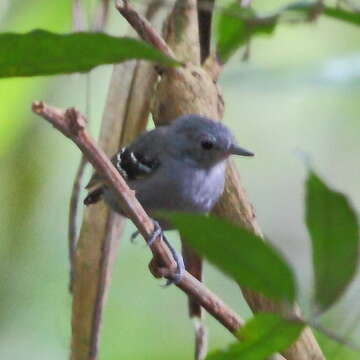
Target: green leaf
x: 262, y: 336
x: 338, y: 13
x: 41, y: 52
x: 334, y: 231
x: 239, y: 253
x: 236, y: 25
x: 343, y: 15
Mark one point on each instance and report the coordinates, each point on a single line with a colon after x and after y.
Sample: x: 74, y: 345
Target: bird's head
x: 202, y: 141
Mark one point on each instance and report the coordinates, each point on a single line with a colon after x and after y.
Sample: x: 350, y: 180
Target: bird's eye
x: 207, y: 144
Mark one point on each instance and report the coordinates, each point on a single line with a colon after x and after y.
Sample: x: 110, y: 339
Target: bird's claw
x: 155, y: 234
x: 175, y: 277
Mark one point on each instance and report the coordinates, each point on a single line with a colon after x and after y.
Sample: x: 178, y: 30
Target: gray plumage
x: 179, y: 167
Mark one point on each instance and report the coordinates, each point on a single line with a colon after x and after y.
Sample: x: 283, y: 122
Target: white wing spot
x: 118, y: 164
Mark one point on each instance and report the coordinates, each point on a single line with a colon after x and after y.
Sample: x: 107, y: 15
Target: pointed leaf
x: 334, y: 231
x: 262, y: 336
x: 239, y: 253
x: 41, y: 52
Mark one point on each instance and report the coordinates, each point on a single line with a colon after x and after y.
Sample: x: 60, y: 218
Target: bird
x: 178, y: 167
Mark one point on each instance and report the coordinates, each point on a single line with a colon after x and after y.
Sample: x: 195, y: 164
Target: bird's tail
x: 194, y: 264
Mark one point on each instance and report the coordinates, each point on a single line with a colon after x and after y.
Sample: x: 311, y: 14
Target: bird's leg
x: 194, y: 265
x: 180, y: 267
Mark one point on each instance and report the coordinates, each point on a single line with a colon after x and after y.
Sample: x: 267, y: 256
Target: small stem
x: 73, y: 216
x: 332, y: 335
x: 143, y: 27
x: 78, y: 17
x: 100, y: 16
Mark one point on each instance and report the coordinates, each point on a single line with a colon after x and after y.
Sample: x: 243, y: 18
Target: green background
x: 297, y: 98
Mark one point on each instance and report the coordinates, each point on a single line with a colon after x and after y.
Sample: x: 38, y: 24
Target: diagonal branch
x: 72, y: 124
x: 143, y: 27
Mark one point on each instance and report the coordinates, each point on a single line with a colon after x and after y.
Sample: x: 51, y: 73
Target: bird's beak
x: 237, y: 150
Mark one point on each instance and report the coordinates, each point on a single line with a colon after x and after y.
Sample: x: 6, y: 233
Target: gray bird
x: 179, y: 167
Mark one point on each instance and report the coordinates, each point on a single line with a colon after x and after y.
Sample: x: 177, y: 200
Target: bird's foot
x: 155, y: 234
x: 173, y: 277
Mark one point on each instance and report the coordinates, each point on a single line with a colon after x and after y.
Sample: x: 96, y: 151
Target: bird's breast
x: 197, y: 190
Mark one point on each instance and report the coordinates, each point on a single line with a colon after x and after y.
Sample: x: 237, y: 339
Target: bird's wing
x: 138, y: 160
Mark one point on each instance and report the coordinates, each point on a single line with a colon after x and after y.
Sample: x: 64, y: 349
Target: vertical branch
x: 78, y: 18
x: 182, y: 31
x: 205, y: 12
x: 100, y: 16
x: 78, y: 25
x: 73, y: 217
x: 125, y: 114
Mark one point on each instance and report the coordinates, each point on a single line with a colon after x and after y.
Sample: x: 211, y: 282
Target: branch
x: 72, y: 124
x: 181, y: 31
x: 100, y: 16
x: 73, y: 217
x: 205, y: 11
x: 143, y: 27
x: 78, y: 18
x: 343, y: 340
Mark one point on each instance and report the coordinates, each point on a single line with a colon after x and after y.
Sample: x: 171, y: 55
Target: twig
x: 75, y: 196
x: 183, y: 24
x: 143, y: 27
x: 354, y: 324
x: 78, y: 18
x: 73, y: 217
x: 72, y: 124
x: 100, y: 16
x: 332, y: 335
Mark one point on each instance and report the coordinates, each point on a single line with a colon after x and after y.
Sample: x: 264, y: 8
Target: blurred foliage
x: 300, y: 91
x: 236, y: 24
x: 262, y: 336
x: 334, y: 230
x: 18, y: 93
